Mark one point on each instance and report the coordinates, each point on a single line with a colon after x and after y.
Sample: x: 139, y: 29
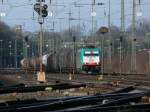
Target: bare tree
x: 6, y: 33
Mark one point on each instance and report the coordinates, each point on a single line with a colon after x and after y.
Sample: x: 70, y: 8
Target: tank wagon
x: 34, y: 62
x: 51, y: 62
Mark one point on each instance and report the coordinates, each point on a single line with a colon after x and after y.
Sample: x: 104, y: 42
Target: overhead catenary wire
x: 24, y: 3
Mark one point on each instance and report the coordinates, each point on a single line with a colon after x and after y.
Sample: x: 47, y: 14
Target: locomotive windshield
x: 91, y: 53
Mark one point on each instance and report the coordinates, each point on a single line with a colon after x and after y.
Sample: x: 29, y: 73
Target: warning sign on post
x: 103, y: 30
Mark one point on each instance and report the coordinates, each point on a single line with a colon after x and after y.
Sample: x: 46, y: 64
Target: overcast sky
x: 20, y: 12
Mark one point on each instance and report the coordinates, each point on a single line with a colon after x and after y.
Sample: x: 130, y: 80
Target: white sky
x: 20, y: 12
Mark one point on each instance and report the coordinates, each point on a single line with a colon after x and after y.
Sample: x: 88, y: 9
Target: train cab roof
x: 89, y: 46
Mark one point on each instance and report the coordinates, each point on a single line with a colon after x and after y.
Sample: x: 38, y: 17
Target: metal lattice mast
x: 133, y: 54
x: 92, y: 14
x: 122, y: 16
x: 110, y: 39
x: 121, y: 37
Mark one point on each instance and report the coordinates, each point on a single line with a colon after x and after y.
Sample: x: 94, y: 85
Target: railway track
x: 130, y: 79
x: 141, y: 79
x: 90, y: 103
x: 91, y: 80
x: 109, y: 81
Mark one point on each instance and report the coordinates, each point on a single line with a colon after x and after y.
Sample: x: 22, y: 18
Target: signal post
x: 41, y: 9
x: 103, y: 30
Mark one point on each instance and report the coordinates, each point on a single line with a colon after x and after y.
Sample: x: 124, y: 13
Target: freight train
x: 87, y: 60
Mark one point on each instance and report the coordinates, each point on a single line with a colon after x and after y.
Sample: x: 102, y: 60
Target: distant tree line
x: 26, y: 44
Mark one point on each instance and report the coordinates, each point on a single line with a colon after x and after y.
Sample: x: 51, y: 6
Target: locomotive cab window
x: 91, y: 53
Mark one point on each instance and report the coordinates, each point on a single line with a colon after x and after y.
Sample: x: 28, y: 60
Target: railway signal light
x: 26, y: 38
x: 100, y: 3
x: 111, y: 44
x: 37, y: 8
x: 43, y: 12
x: 121, y: 38
x: 74, y: 38
x: 134, y: 39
